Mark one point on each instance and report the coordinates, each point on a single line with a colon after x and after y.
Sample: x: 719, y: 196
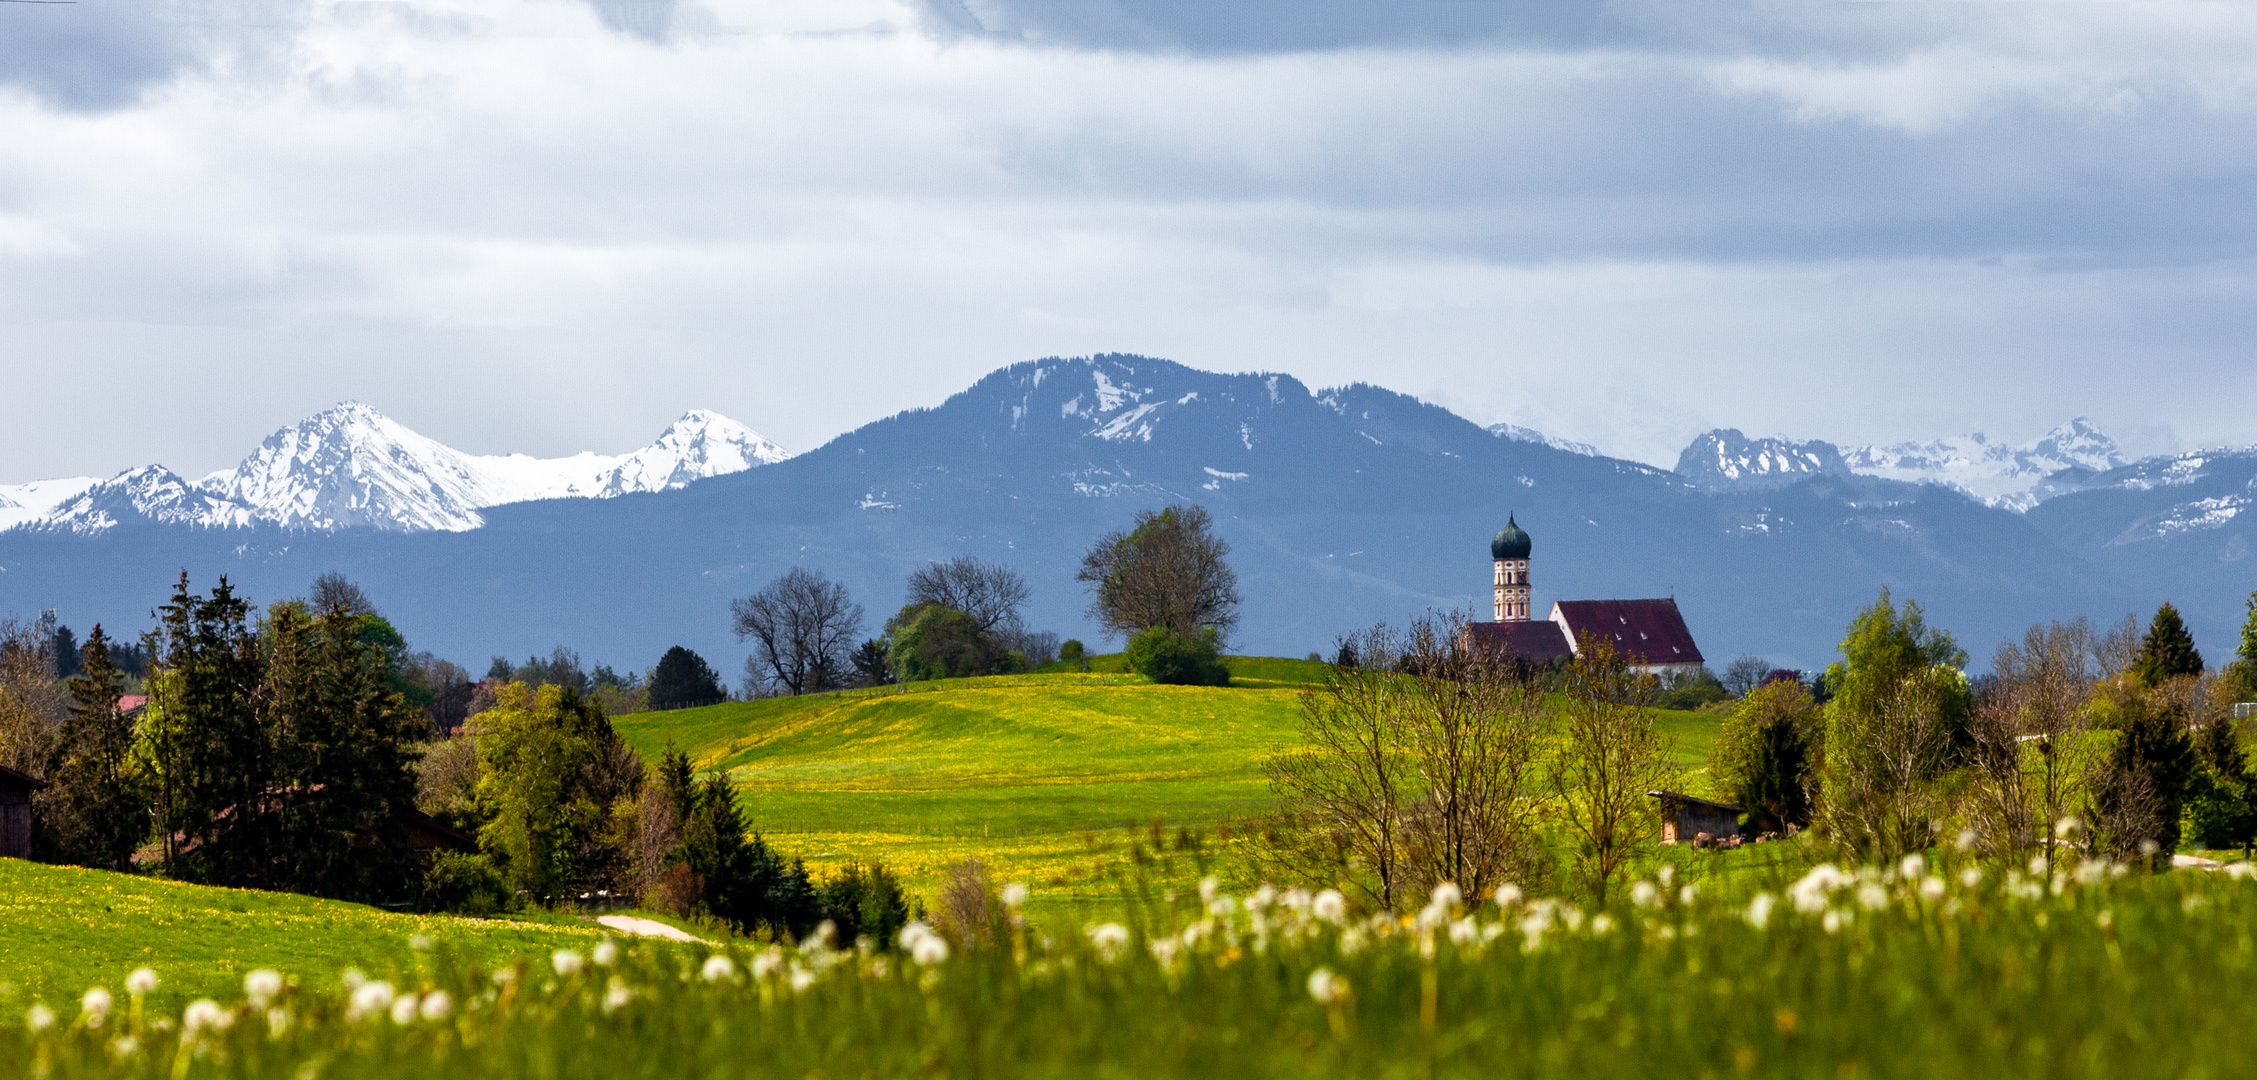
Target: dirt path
x: 629, y: 924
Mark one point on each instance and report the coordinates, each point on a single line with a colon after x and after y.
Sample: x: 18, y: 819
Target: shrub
x: 867, y: 902
x: 1765, y: 755
x: 1167, y: 657
x: 466, y: 884
x: 935, y: 642
x: 1073, y: 652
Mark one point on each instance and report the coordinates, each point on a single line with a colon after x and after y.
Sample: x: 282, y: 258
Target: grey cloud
x: 103, y: 54
x: 1207, y: 27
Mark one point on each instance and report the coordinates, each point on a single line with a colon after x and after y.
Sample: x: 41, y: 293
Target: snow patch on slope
x: 1516, y: 433
x: 2015, y: 477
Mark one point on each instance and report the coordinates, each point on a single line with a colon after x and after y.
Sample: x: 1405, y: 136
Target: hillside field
x: 63, y: 929
x: 1047, y: 778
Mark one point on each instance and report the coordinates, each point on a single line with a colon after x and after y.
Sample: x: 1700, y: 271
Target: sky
x: 553, y: 225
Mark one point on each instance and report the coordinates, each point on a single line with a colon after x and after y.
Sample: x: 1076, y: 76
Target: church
x: 1649, y: 634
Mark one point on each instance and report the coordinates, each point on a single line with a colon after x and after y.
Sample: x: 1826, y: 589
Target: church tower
x: 1509, y: 550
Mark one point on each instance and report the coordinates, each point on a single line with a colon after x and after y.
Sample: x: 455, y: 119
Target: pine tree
x: 97, y: 811
x: 215, y: 813
x: 2141, y: 792
x: 2225, y: 797
x: 2167, y: 651
x: 684, y: 680
x: 2240, y: 682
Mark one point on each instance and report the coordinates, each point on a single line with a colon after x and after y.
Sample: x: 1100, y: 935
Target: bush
x: 1073, y: 652
x: 867, y: 902
x: 465, y: 884
x: 935, y: 642
x: 1174, y: 659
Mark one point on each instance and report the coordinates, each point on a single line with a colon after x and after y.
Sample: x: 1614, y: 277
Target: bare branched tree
x: 802, y: 628
x: 2115, y: 650
x: 332, y: 591
x: 1610, y: 756
x: 991, y: 593
x: 1166, y: 571
x: 968, y: 910
x: 2030, y: 734
x: 32, y: 702
x: 1418, y: 763
x: 1745, y: 674
x: 1881, y: 763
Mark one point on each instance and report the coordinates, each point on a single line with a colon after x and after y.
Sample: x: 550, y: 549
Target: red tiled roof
x: 129, y: 702
x: 1642, y: 631
x: 1535, y: 642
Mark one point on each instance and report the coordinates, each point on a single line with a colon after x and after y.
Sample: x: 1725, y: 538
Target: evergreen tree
x: 684, y: 681
x: 214, y: 760
x: 2167, y: 651
x: 97, y: 811
x: 2225, y: 797
x: 2241, y: 676
x: 342, y: 733
x: 1766, y: 754
x: 2140, y: 794
x: 872, y: 664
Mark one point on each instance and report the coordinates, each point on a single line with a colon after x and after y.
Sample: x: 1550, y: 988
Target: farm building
x: 15, y: 812
x: 1650, y: 634
x: 1685, y: 818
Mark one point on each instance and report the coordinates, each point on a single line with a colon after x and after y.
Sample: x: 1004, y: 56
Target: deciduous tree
x: 1610, y: 756
x: 801, y: 627
x: 1167, y: 570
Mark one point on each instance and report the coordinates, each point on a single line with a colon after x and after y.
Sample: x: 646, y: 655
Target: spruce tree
x: 2142, y: 791
x: 2225, y: 798
x: 2167, y: 651
x: 2241, y: 675
x: 684, y: 680
x: 97, y: 811
x: 216, y: 763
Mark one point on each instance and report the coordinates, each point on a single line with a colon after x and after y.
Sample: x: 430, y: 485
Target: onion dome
x: 1509, y: 543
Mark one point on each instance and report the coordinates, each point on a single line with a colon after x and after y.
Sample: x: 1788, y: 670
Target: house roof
x: 1642, y: 631
x: 1535, y: 642
x: 1679, y: 798
x: 13, y: 778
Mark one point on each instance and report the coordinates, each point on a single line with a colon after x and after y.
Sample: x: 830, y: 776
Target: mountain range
x: 1344, y: 506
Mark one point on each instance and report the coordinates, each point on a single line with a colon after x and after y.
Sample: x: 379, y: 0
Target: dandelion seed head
x: 1508, y: 895
x: 1208, y: 887
x: 1109, y: 939
x: 1221, y: 907
x: 2037, y: 866
x: 204, y: 1014
x: 1602, y: 924
x: 262, y: 986
x: 1465, y: 932
x: 617, y: 995
x: 1759, y: 910
x: 1832, y: 922
x: 1970, y: 877
x: 1015, y: 894
x: 1645, y: 894
x: 719, y: 968
x: 422, y: 943
x: 2066, y: 827
x: 1326, y: 987
x: 1446, y: 895
x: 566, y: 962
x: 929, y: 949
x: 437, y: 1005
x: 1966, y: 841
x: 1913, y: 867
x: 141, y: 981
x: 1330, y: 906
x: 605, y: 953
x: 368, y: 999
x: 767, y: 962
x: 124, y: 1046
x: 39, y: 1018
x: 95, y: 1004
x: 2148, y: 848
x: 1931, y: 888
x: 1872, y: 897
x: 404, y: 1009
x: 1687, y: 894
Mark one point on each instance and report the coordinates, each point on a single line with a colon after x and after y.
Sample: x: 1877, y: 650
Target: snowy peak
x: 151, y: 494
x: 698, y: 445
x: 350, y: 466
x: 1516, y: 433
x: 2016, y: 477
x: 1726, y: 460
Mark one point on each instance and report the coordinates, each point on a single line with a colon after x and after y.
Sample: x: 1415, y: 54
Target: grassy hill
x: 63, y: 929
x: 1045, y: 777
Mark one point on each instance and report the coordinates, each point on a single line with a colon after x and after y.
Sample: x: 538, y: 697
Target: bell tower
x: 1508, y: 550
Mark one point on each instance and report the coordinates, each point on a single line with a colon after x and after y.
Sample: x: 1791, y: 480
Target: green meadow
x: 1047, y: 778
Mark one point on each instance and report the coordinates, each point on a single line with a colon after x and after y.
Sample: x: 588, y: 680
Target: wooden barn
x: 15, y: 812
x: 1684, y: 818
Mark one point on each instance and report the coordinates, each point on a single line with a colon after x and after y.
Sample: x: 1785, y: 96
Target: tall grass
x: 1890, y: 972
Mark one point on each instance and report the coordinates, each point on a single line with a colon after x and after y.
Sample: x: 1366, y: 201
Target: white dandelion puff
x: 1645, y: 894
x: 767, y: 962
x: 1446, y: 895
x: 1109, y: 939
x: 1931, y: 888
x: 1966, y: 841
x: 404, y: 1008
x: 1508, y: 895
x: 368, y: 999
x: 1759, y: 910
x: 1872, y: 897
x: 204, y: 1014
x: 1686, y: 895
x: 1330, y: 906
x: 1208, y: 887
x: 1326, y: 987
x: 141, y: 981
x: 605, y: 953
x: 929, y: 950
x: 566, y: 962
x: 95, y: 1005
x: 1970, y: 877
x: 262, y: 986
x: 39, y: 1018
x: 718, y: 968
x: 437, y: 1005
x: 617, y: 995
x: 1015, y: 894
x: 1913, y: 867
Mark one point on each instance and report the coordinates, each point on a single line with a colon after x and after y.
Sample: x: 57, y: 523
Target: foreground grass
x: 63, y: 929
x: 1884, y: 973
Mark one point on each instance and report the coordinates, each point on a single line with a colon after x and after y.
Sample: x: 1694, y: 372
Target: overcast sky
x: 553, y: 225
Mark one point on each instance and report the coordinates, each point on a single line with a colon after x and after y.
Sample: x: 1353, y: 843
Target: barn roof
x: 1642, y: 631
x: 16, y: 779
x: 1535, y: 642
x: 1680, y: 799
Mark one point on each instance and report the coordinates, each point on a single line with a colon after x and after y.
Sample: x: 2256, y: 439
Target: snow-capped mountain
x: 1726, y: 460
x: 21, y: 503
x: 2015, y: 477
x: 2010, y: 477
x: 1530, y: 435
x: 353, y: 467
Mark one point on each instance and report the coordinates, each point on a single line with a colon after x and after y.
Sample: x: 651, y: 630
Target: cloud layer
x: 549, y: 225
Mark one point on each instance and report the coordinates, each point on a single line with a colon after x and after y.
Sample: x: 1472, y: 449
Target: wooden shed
x: 1684, y: 817
x: 15, y: 812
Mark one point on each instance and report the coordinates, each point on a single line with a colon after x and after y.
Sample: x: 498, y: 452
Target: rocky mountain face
x: 1343, y: 507
x: 2011, y: 477
x: 352, y: 467
x: 1726, y: 460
